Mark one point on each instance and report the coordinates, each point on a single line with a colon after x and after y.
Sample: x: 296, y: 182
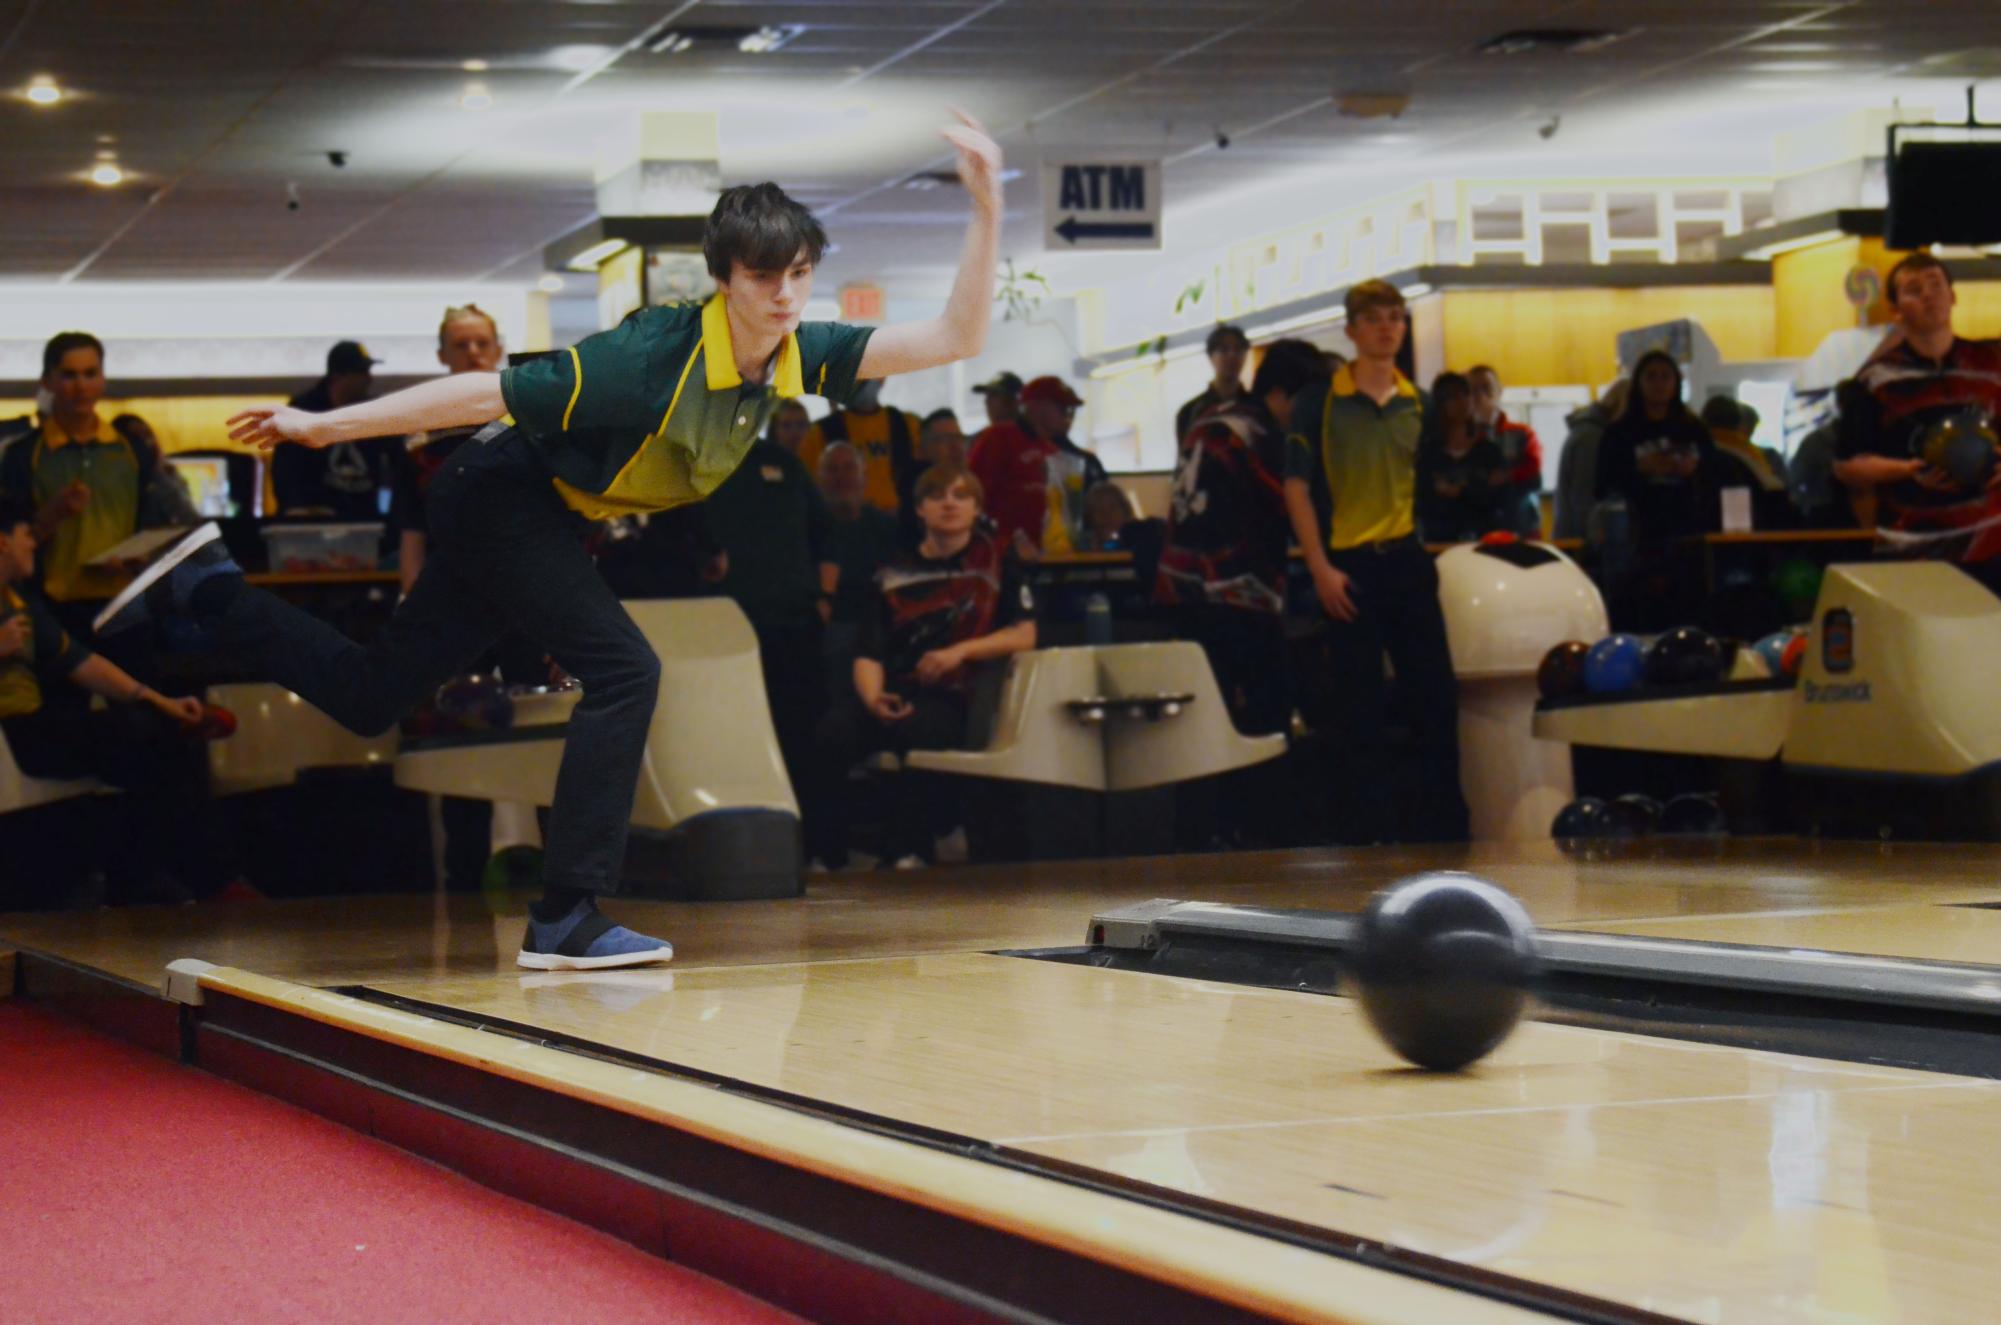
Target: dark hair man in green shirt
x: 1351, y: 453
x: 652, y: 414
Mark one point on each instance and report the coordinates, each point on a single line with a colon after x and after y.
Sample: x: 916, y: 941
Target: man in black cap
x: 343, y: 482
x: 1003, y: 396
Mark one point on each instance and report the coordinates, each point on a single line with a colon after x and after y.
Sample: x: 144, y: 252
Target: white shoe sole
x: 195, y: 540
x: 555, y: 961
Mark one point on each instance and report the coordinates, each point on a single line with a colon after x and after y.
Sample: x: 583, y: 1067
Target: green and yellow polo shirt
x: 106, y: 464
x: 50, y: 651
x: 653, y: 413
x: 1365, y: 452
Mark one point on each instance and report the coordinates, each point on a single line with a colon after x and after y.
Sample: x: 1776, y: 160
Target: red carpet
x: 133, y: 1189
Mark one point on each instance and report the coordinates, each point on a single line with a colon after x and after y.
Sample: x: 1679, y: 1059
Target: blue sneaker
x: 586, y: 940
x: 161, y: 592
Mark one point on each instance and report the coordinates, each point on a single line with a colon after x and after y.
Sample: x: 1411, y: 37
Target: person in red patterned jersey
x: 1222, y: 559
x: 1519, y: 446
x: 957, y: 599
x: 1917, y: 442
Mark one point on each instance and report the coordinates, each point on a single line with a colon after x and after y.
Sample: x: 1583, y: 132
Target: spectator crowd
x: 889, y: 562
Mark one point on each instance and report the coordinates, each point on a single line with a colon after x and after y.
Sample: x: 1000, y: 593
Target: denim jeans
x: 505, y: 554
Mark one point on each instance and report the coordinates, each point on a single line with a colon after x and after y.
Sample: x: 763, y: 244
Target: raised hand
x: 979, y: 158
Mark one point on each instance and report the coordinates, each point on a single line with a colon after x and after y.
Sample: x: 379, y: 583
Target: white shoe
x: 911, y: 863
x: 138, y: 603
x: 817, y: 866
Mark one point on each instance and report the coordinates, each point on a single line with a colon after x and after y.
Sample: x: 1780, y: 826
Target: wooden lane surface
x: 980, y: 908
x: 1708, y: 1183
x: 1962, y: 934
x: 1289, y: 1283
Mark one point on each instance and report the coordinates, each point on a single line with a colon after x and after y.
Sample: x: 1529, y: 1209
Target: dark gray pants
x: 506, y: 553
x: 1395, y: 589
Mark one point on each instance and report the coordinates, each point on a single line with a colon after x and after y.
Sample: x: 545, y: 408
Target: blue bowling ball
x: 1614, y: 665
x: 1772, y: 648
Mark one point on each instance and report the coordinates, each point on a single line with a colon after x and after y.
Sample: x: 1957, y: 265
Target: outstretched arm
x: 962, y: 331
x: 101, y: 676
x: 456, y: 401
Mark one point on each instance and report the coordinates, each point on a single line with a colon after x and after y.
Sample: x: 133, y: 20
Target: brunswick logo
x: 1848, y: 692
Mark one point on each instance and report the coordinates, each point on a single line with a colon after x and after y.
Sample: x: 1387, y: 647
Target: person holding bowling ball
x: 1905, y: 420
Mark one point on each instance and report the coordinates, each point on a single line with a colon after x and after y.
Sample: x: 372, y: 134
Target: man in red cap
x: 1021, y: 464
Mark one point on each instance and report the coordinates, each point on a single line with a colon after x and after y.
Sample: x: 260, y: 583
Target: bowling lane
x: 1945, y: 933
x: 1608, y: 1164
x: 354, y: 940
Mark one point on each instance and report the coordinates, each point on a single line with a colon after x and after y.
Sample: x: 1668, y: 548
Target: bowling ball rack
x: 1932, y: 1016
x: 1688, y: 690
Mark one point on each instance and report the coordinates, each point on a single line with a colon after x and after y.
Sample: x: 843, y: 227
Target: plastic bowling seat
x: 18, y: 791
x: 714, y: 814
x: 1035, y: 737
x: 277, y: 736
x: 1156, y: 751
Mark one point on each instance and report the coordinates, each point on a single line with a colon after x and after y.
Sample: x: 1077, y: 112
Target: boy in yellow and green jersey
x: 652, y: 414
x: 1350, y: 480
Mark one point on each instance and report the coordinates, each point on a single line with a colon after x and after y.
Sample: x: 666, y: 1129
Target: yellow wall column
x: 1569, y: 337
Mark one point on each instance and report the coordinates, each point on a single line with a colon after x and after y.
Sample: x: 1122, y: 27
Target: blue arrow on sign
x: 1073, y: 230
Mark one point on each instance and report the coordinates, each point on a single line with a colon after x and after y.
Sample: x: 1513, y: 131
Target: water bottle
x: 1097, y: 619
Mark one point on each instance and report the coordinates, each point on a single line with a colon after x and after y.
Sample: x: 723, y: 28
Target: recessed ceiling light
x: 107, y: 176
x: 42, y: 91
x: 475, y: 97
x: 106, y: 154
x: 475, y: 66
x: 107, y: 138
x: 769, y: 38
x: 550, y: 283
x: 1526, y: 41
x: 576, y: 59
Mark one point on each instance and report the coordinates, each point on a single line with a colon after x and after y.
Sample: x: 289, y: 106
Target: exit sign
x: 861, y: 303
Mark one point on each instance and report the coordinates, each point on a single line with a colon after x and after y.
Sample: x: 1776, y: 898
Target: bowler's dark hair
x: 1636, y: 405
x: 1288, y: 366
x: 1722, y: 412
x: 63, y: 342
x: 1449, y: 383
x: 1223, y: 335
x: 759, y: 226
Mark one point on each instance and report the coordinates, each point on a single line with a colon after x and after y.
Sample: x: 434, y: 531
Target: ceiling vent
x: 1550, y: 41
x: 674, y: 38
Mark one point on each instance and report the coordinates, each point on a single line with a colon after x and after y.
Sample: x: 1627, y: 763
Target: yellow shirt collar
x: 1344, y: 382
x: 54, y: 437
x: 719, y: 356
